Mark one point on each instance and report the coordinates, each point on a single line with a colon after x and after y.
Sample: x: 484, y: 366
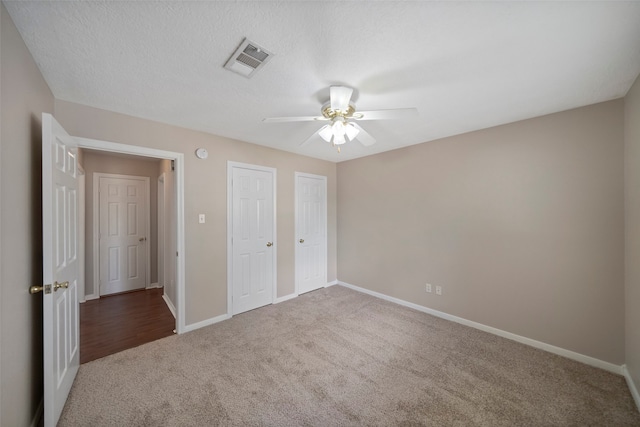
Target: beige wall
x: 521, y: 224
x: 94, y: 161
x: 206, y: 192
x: 632, y: 231
x: 25, y: 95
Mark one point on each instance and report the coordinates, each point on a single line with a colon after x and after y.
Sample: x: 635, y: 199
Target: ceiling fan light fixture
x: 338, y: 127
x: 339, y: 139
x: 326, y: 133
x: 351, y: 131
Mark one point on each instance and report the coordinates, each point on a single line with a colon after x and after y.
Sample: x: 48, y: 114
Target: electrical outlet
x: 428, y: 287
x: 438, y: 290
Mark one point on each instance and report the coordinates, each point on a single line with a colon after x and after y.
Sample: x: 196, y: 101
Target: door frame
x: 161, y: 230
x: 230, y: 166
x: 96, y: 226
x: 296, y: 232
x: 178, y: 158
x: 81, y: 233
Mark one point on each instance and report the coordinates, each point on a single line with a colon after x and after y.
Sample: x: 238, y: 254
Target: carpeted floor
x: 337, y: 357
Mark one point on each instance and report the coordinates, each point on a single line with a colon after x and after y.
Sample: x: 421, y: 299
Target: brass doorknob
x: 57, y: 285
x: 301, y: 240
x: 35, y: 289
x: 269, y: 244
x: 142, y: 239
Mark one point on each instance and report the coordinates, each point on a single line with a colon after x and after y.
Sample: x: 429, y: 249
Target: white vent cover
x: 248, y: 59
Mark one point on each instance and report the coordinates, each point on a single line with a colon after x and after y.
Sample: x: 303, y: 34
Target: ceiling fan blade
x: 340, y: 97
x: 363, y: 136
x: 314, y: 135
x: 293, y: 119
x: 398, y: 113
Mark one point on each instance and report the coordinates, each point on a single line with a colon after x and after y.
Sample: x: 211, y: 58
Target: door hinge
x: 177, y: 253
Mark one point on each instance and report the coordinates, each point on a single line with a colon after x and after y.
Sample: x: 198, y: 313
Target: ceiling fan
x: 342, y: 115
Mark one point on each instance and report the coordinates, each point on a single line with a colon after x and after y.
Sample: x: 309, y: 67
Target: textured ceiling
x: 464, y: 65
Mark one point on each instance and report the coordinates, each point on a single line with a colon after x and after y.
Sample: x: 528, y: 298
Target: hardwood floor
x: 115, y: 323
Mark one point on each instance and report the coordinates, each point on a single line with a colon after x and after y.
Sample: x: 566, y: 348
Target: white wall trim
x: 82, y: 288
x: 178, y: 158
x: 632, y: 386
x: 37, y: 417
x: 153, y: 286
x: 208, y: 322
x: 230, y: 166
x: 90, y: 297
x: 161, y: 228
x: 172, y: 308
x: 588, y: 360
x: 335, y: 282
x: 285, y: 298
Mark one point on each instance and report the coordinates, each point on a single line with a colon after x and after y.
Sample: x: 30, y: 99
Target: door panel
x: 252, y: 225
x: 311, y: 226
x: 60, y: 266
x: 123, y: 217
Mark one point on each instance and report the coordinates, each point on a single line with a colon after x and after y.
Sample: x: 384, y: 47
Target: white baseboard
x: 588, y: 360
x: 202, y: 324
x: 90, y: 297
x: 335, y: 282
x: 172, y: 308
x: 285, y: 298
x: 154, y: 286
x: 632, y: 386
x: 37, y: 417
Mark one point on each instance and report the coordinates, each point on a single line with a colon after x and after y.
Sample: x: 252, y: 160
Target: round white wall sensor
x: 202, y: 153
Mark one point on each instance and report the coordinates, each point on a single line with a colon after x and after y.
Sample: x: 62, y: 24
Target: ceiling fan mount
x: 329, y: 113
x: 341, y: 112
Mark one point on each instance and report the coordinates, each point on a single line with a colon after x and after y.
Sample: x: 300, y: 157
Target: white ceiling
x: 464, y: 65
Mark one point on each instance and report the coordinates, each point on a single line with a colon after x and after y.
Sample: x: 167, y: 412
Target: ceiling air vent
x: 248, y: 59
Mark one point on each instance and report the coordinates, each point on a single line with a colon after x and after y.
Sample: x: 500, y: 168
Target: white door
x: 123, y: 213
x: 60, y: 266
x: 252, y: 239
x: 311, y: 232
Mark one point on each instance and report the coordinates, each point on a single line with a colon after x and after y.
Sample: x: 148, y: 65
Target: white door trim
x: 161, y: 231
x: 326, y: 243
x: 96, y: 226
x: 81, y: 233
x: 230, y: 166
x: 178, y: 158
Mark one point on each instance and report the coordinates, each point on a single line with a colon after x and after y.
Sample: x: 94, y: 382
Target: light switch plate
x: 201, y: 218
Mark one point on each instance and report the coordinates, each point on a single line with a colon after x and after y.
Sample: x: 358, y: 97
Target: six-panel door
x: 252, y: 241
x: 311, y: 231
x: 60, y: 306
x: 122, y: 234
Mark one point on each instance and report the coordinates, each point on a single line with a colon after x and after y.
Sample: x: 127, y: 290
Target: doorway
x: 172, y: 225
x: 123, y: 306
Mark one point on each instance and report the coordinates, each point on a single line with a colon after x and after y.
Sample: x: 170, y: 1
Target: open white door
x: 60, y: 266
